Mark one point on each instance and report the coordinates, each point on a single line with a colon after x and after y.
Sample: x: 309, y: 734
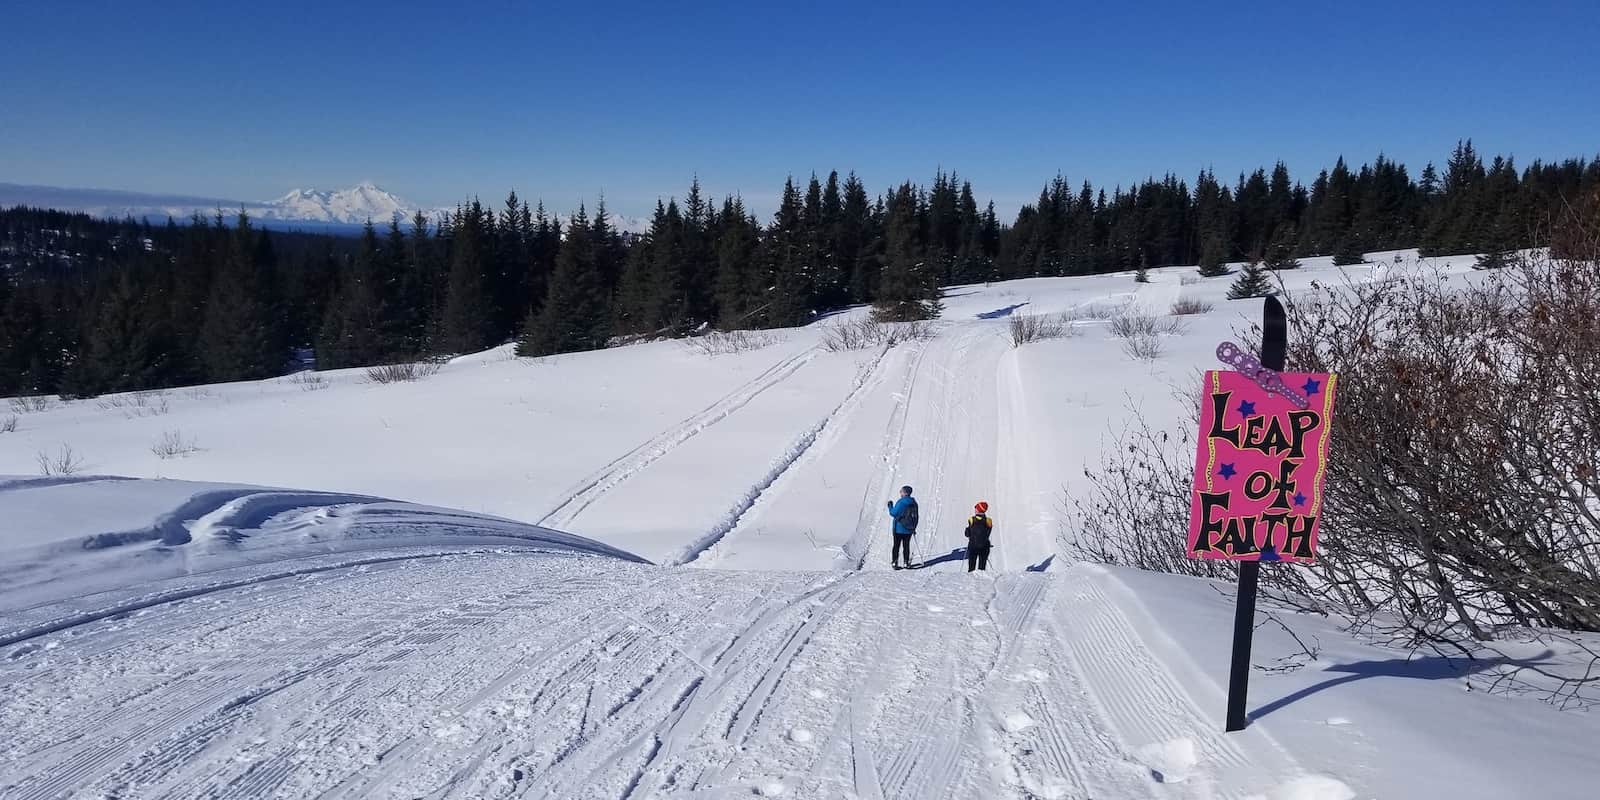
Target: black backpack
x: 978, y: 530
x: 910, y: 522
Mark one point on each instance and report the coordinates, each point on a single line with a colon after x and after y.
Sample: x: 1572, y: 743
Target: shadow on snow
x: 1429, y: 668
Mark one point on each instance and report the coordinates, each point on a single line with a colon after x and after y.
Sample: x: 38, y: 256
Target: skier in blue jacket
x: 904, y: 513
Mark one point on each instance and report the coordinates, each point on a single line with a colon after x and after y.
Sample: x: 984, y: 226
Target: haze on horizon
x: 635, y: 100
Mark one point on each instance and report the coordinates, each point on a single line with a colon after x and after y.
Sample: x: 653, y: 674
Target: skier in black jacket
x: 979, y: 528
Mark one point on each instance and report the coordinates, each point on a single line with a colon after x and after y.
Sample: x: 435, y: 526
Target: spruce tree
x: 33, y: 337
x: 362, y: 325
x: 465, y: 323
x: 651, y: 297
x: 698, y: 267
x: 632, y: 307
x: 1281, y: 254
x: 403, y: 291
x: 858, y: 229
x: 1252, y: 282
x: 1349, y: 252
x: 1499, y: 248
x: 737, y: 248
x: 426, y: 292
x: 507, y: 282
x: 1142, y: 275
x: 607, y: 249
x: 240, y: 337
x: 909, y: 286
x: 575, y: 315
x: 543, y: 246
x: 833, y: 282
x: 781, y: 285
x: 127, y: 345
x: 1497, y: 258
x: 668, y: 305
x: 1213, y: 258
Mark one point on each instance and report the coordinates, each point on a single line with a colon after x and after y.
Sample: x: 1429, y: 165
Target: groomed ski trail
x: 944, y: 415
x: 525, y: 674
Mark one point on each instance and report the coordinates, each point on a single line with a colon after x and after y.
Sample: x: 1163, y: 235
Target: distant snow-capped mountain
x: 337, y: 210
x: 353, y: 206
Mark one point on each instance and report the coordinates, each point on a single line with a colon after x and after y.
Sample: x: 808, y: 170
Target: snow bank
x: 62, y: 539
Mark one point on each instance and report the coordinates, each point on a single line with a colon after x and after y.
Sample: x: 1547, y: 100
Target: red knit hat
x: 981, y: 507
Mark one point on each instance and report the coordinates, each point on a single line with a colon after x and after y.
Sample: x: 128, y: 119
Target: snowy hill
x: 161, y: 638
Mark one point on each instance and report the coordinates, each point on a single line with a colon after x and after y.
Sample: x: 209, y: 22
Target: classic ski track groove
x: 804, y: 450
x: 870, y: 524
x: 1143, y: 704
x: 694, y: 710
x: 1066, y: 737
x: 621, y: 469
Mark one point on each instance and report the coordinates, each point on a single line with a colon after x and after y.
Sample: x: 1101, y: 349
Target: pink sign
x: 1258, y: 473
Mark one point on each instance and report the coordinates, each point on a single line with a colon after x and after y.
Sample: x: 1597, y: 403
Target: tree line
x: 93, y: 306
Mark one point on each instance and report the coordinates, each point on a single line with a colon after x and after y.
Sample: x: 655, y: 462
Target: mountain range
x: 335, y: 211
x: 353, y: 206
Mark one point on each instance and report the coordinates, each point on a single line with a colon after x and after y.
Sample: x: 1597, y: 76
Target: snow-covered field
x: 201, y: 636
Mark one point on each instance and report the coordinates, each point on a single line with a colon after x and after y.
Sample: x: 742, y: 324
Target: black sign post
x: 1274, y: 344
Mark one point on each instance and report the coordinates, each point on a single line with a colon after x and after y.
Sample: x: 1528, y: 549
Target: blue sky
x: 440, y: 101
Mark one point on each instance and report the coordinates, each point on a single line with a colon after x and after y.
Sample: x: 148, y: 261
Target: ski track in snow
x: 810, y: 446
x: 605, y: 479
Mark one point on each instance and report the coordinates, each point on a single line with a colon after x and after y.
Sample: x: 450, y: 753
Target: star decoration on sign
x: 1227, y: 471
x: 1299, y: 499
x: 1312, y: 385
x: 1247, y: 408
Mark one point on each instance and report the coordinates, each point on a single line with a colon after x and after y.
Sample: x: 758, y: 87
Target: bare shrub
x: 152, y: 403
x: 1097, y: 312
x: 1134, y: 324
x: 1575, y: 235
x: 62, y: 462
x: 896, y: 333
x: 32, y: 404
x: 1027, y: 328
x: 864, y: 333
x: 1468, y: 443
x: 1185, y: 306
x: 716, y: 343
x: 197, y: 392
x: 856, y: 334
x: 1143, y: 347
x: 308, y: 381
x: 403, y: 373
x: 9, y: 424
x: 173, y: 444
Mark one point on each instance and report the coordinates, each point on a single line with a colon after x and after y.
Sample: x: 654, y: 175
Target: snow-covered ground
x: 169, y: 638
